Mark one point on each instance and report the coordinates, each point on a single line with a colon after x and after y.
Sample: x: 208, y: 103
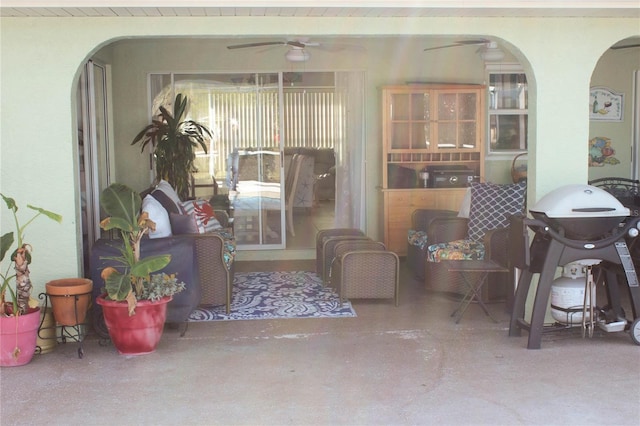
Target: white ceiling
x: 311, y: 8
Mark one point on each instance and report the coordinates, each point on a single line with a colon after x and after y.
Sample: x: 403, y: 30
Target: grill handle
x: 580, y: 244
x: 593, y: 209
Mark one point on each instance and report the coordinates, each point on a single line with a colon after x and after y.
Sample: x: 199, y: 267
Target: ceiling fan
x: 297, y: 51
x: 489, y: 50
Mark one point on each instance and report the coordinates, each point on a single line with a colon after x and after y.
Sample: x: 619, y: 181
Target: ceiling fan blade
x: 476, y: 41
x: 267, y: 43
x: 443, y: 47
x: 299, y: 44
x: 257, y: 44
x: 459, y: 43
x: 625, y: 46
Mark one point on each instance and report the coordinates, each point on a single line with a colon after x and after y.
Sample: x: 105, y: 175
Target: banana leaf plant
x: 127, y: 282
x: 20, y: 259
x: 174, y: 142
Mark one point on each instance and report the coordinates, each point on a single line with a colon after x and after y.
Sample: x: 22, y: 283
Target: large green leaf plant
x: 174, y: 141
x: 20, y: 259
x: 130, y: 280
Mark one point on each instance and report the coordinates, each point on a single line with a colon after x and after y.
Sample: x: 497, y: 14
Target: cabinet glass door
x: 420, y: 116
x: 409, y: 124
x: 456, y: 121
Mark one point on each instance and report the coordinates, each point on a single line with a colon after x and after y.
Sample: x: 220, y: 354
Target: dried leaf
x: 131, y: 301
x: 107, y: 271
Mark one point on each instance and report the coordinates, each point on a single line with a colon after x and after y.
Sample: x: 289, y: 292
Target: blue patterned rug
x: 275, y: 295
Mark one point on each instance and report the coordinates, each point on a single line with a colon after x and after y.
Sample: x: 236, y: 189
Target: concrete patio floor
x: 410, y: 365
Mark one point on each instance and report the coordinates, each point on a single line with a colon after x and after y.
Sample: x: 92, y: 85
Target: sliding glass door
x: 94, y: 150
x: 287, y: 148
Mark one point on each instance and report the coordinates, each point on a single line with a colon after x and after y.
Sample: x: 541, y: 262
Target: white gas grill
x: 573, y: 223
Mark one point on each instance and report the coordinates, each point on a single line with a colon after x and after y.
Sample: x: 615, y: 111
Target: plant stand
x: 64, y: 332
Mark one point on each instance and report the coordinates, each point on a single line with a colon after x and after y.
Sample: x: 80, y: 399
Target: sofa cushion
x: 159, y: 215
x: 203, y: 213
x: 492, y: 205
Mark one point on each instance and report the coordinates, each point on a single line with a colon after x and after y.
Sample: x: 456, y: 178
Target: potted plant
x: 135, y: 302
x: 70, y: 299
x: 19, y: 317
x: 174, y: 141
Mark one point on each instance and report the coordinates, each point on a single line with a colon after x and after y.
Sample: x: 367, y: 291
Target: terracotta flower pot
x: 18, y: 338
x: 138, y: 334
x: 70, y: 298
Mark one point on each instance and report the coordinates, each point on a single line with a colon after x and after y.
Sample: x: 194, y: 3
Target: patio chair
x: 627, y: 191
x: 456, y: 238
x: 417, y: 238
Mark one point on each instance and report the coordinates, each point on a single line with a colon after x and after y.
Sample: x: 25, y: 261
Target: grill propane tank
x: 567, y: 295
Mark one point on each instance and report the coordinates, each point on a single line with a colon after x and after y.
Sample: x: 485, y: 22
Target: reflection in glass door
x: 255, y: 172
x: 245, y: 156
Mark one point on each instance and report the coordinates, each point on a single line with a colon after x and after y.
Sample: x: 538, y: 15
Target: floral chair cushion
x: 456, y: 250
x: 229, y: 246
x: 417, y: 238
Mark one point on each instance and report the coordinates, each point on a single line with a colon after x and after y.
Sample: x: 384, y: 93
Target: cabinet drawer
x: 400, y: 214
x: 399, y: 199
x: 423, y: 200
x: 397, y: 243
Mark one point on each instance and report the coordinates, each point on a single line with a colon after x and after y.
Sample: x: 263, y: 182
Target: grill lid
x: 579, y: 201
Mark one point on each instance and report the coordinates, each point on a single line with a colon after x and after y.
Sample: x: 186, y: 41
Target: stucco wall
x: 41, y: 59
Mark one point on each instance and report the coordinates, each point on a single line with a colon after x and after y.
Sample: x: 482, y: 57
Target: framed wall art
x: 605, y: 104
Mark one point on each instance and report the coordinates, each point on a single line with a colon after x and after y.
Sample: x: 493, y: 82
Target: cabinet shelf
x: 428, y: 157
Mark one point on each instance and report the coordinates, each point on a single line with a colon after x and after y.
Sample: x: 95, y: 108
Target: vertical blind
x: 249, y: 120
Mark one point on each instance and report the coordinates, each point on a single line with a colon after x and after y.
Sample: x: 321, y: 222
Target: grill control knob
x: 633, y: 232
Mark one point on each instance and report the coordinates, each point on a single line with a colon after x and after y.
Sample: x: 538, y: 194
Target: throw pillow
x: 183, y: 224
x: 465, y: 207
x: 166, y: 187
x: 168, y: 204
x: 202, y: 211
x: 492, y: 205
x: 159, y: 215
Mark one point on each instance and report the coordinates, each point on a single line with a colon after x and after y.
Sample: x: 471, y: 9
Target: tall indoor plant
x: 20, y: 316
x: 135, y: 302
x: 174, y: 141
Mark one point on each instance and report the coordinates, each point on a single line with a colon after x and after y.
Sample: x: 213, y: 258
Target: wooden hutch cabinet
x: 428, y: 128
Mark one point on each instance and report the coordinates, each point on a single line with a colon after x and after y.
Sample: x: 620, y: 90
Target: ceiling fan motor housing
x: 297, y: 55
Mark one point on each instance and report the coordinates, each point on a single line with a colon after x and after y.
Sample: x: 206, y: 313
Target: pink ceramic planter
x: 18, y: 337
x: 138, y: 334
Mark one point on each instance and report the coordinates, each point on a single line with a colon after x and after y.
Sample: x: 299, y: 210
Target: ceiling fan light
x: 491, y: 54
x: 297, y: 55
